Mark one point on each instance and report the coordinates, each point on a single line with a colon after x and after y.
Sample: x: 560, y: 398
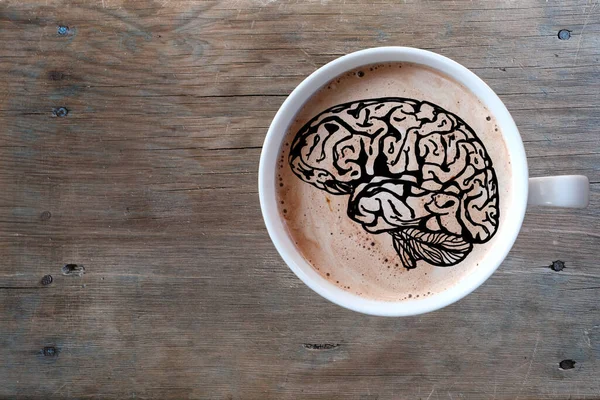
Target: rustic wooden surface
x: 150, y: 183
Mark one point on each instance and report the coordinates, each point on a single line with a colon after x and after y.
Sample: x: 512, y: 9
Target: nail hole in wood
x: 73, y: 269
x: 62, y: 30
x: 557, y: 266
x: 60, y: 112
x: 56, y: 76
x: 564, y: 34
x: 566, y: 364
x: 50, y: 351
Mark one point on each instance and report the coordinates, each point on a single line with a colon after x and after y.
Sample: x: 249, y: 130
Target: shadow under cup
x: 515, y: 202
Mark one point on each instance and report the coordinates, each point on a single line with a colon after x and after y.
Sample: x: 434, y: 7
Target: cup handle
x: 559, y: 191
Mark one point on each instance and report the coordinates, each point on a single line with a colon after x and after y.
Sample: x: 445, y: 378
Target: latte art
x: 411, y: 168
x: 392, y: 181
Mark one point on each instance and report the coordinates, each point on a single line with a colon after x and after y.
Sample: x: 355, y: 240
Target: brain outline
x: 412, y: 169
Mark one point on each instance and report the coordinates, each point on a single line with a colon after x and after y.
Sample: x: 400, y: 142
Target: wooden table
x: 134, y: 259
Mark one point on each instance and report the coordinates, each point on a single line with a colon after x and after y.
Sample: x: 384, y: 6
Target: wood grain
x: 150, y: 183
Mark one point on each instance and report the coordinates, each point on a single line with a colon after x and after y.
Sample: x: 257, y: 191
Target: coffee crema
x: 391, y: 181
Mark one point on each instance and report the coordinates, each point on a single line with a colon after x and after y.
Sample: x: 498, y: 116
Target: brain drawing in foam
x: 410, y: 169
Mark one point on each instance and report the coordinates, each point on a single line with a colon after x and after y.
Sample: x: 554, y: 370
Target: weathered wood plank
x: 150, y: 183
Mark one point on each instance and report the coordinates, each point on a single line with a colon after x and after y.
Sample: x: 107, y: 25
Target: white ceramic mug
x: 561, y: 191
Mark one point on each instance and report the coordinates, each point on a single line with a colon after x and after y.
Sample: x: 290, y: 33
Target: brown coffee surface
x: 392, y: 181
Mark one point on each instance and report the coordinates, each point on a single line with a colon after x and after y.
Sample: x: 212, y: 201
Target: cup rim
x: 276, y: 227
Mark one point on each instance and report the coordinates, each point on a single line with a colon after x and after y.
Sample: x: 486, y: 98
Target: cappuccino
x: 392, y: 180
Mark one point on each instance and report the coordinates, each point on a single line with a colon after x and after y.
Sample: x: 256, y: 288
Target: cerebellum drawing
x: 410, y: 168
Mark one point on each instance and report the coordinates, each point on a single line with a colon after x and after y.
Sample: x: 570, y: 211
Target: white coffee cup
x: 560, y: 191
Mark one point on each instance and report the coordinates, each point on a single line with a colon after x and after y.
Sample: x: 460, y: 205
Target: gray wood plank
x: 150, y: 183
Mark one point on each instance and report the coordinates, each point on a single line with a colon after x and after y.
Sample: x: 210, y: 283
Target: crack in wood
x: 320, y: 346
x: 236, y: 148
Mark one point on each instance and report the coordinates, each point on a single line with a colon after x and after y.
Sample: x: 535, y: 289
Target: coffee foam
x: 338, y: 247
